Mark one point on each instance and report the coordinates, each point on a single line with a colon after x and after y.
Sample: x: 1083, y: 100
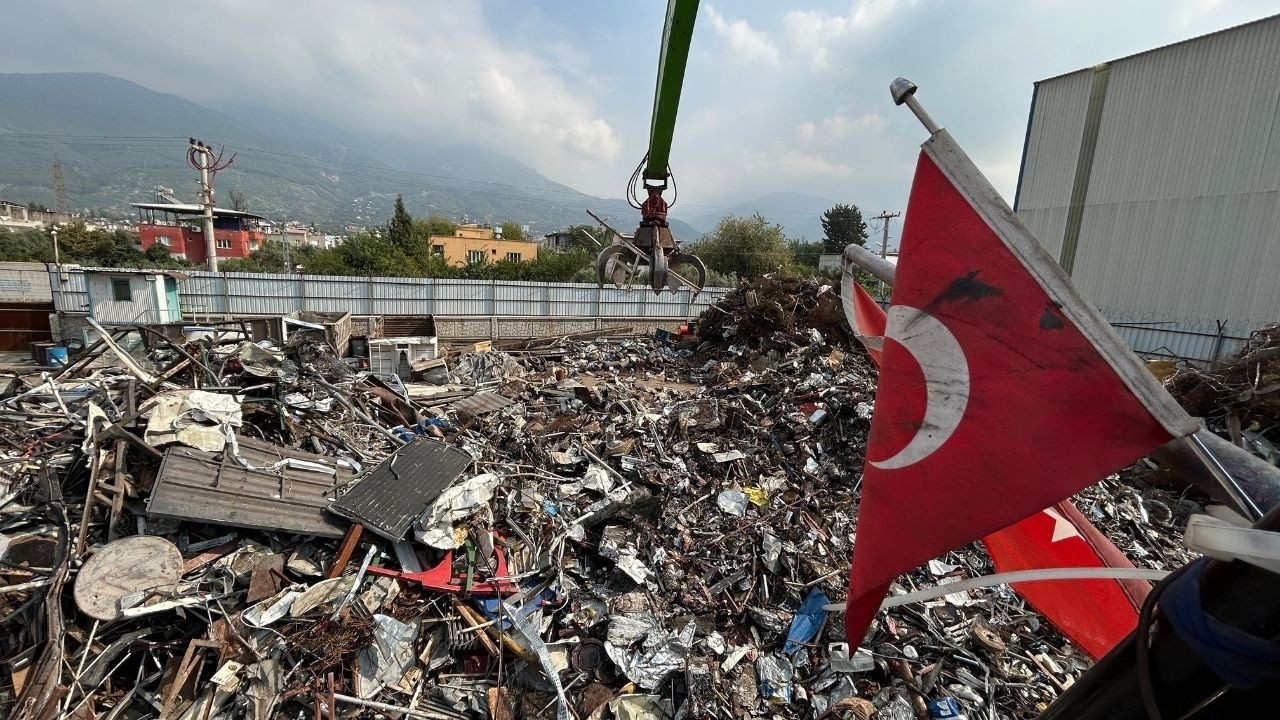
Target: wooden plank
x: 88, y: 502
x: 117, y: 492
x: 209, y: 556
x: 344, y: 553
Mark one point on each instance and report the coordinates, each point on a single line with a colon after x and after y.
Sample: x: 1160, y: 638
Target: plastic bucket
x: 56, y: 355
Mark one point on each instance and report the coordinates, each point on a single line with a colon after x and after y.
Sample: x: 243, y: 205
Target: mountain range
x: 117, y: 141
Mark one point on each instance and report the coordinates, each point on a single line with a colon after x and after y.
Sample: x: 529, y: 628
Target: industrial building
x: 1155, y: 181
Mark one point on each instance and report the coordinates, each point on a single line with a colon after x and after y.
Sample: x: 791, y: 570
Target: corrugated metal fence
x: 247, y: 294
x: 1155, y: 336
x: 24, y: 282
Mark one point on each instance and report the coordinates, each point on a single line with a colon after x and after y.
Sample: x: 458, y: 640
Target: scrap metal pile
x: 1239, y: 399
x: 634, y: 528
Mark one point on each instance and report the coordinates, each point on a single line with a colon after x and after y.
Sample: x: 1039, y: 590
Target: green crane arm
x: 676, y: 36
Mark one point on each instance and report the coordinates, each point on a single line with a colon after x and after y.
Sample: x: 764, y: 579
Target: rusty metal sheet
x: 480, y: 404
x: 400, y: 490
x: 24, y: 323
x: 408, y: 326
x: 208, y: 487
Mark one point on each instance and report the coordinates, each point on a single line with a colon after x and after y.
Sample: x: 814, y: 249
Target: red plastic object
x: 442, y: 579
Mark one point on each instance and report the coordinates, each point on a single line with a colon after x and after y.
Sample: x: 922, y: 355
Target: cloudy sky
x: 779, y: 96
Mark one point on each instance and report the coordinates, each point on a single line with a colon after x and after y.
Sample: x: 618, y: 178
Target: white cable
x: 1016, y: 576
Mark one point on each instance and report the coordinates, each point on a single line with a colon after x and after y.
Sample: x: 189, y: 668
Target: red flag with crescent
x: 1001, y: 390
x: 865, y: 316
x: 1096, y: 614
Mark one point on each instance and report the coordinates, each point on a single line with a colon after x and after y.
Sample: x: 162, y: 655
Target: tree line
x: 402, y: 248
x: 737, y: 248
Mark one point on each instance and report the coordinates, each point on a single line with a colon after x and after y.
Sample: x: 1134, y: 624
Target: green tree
x: 512, y: 231
x: 325, y: 262
x: 400, y: 229
x: 373, y: 256
x: 434, y: 225
x: 78, y: 243
x: 554, y: 266
x: 580, y: 238
x: 805, y: 254
x: 842, y: 225
x: 744, y: 246
x: 157, y: 254
x: 25, y: 245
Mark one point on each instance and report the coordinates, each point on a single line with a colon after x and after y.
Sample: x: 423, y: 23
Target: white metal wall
x: 1049, y: 167
x: 24, y: 282
x: 142, y: 307
x: 1182, y: 216
x: 248, y: 294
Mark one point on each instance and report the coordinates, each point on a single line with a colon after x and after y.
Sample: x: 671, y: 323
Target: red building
x: 181, y: 229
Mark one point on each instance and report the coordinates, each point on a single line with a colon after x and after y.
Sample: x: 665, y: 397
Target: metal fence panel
x: 263, y: 294
x: 70, y: 292
x: 1154, y: 335
x: 24, y: 282
x: 401, y: 296
x: 464, y: 297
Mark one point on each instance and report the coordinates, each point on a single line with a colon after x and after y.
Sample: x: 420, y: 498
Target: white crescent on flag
x: 946, y: 378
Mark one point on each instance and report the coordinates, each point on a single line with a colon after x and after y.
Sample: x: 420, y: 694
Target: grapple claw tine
x: 657, y: 270
x: 607, y: 263
x: 683, y: 259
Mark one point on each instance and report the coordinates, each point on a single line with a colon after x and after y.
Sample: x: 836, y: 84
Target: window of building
x: 164, y: 240
x: 224, y: 243
x: 437, y: 250
x: 475, y: 256
x: 120, y: 290
x: 513, y: 257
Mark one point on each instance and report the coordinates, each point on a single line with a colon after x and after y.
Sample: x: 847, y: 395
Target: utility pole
x: 884, y: 217
x: 59, y: 189
x: 201, y: 157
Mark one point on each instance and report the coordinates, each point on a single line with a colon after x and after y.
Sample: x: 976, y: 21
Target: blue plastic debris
x: 411, y: 433
x: 945, y: 709
x: 805, y: 624
x: 489, y: 606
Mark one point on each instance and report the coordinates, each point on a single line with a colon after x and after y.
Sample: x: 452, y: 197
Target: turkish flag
x: 866, y: 317
x: 1001, y: 390
x: 1096, y: 614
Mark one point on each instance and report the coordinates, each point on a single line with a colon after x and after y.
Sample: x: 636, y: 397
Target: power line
x: 307, y: 162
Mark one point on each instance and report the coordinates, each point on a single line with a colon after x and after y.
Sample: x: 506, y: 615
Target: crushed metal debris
x: 642, y: 528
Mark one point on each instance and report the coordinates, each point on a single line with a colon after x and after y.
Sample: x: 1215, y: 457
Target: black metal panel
x: 400, y: 490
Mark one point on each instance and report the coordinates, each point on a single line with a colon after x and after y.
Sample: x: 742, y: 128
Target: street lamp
x: 56, y: 256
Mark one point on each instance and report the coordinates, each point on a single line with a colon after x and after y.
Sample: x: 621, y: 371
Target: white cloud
x: 790, y: 164
x: 835, y: 148
x: 432, y: 69
x: 746, y: 43
x: 812, y: 32
x: 839, y: 127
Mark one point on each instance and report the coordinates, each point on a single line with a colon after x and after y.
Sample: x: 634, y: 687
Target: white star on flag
x: 1062, y: 527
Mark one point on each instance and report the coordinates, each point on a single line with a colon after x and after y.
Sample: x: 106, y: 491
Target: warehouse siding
x: 1181, y: 223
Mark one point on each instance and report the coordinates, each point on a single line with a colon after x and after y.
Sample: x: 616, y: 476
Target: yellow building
x: 478, y: 244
